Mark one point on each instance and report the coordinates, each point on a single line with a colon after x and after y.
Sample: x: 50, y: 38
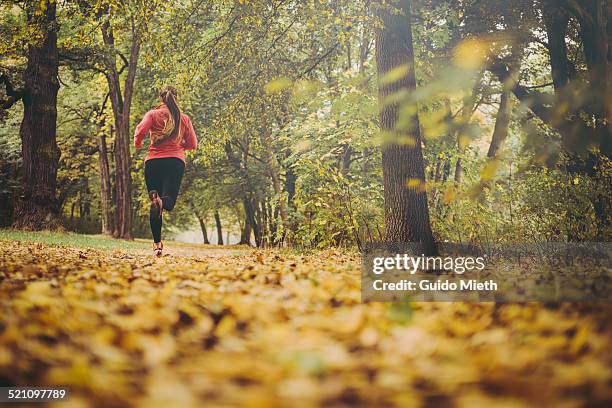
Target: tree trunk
x: 578, y: 133
x: 121, y: 104
x: 504, y: 113
x: 593, y: 18
x: 469, y: 101
x: 406, y: 209
x: 290, y: 180
x: 502, y: 123
x: 436, y: 173
x: 246, y: 191
x: 105, y: 186
x: 36, y: 207
x: 219, y: 231
x: 364, y: 47
x: 458, y: 171
x: 556, y: 20
x: 203, y: 228
x: 446, y: 170
x: 245, y: 236
x: 249, y: 211
x: 274, y: 171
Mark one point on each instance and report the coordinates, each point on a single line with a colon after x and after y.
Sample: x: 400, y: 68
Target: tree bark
x: 245, y: 235
x: 36, y: 207
x: 469, y: 101
x: 504, y: 113
x: 502, y: 123
x: 556, y: 20
x: 249, y: 210
x: 246, y: 192
x: 203, y: 228
x: 593, y: 18
x: 406, y: 209
x: 274, y: 172
x: 577, y: 134
x: 121, y: 104
x: 219, y: 231
x: 105, y: 186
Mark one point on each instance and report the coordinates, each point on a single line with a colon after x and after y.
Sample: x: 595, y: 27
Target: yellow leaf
x: 415, y: 184
x: 277, y: 85
x: 489, y: 170
x: 394, y: 75
x: 471, y: 53
x: 450, y: 193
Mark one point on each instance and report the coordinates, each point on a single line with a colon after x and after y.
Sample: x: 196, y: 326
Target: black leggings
x: 164, y: 176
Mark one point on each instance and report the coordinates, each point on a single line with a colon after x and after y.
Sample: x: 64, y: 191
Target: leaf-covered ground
x: 205, y: 327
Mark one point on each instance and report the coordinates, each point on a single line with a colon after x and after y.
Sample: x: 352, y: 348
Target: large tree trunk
x: 594, y: 21
x: 121, y: 104
x: 219, y: 231
x: 36, y: 207
x: 556, y: 20
x: 406, y: 209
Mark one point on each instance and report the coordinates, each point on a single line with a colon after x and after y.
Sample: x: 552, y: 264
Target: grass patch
x: 71, y: 239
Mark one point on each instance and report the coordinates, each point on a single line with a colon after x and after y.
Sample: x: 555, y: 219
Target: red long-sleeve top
x: 154, y: 121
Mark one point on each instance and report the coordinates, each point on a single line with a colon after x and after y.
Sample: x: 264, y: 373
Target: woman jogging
x: 171, y: 133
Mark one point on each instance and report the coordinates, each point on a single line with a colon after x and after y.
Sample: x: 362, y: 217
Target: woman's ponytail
x: 173, y: 125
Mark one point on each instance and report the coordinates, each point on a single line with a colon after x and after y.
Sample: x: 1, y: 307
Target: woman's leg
x: 173, y: 175
x: 154, y: 173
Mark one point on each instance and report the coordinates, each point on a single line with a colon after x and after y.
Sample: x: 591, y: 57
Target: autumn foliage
x: 206, y: 327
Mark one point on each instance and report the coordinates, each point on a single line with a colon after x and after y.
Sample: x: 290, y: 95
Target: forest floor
x: 210, y: 326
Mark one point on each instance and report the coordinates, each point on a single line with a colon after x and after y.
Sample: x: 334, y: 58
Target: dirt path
x: 213, y: 327
x: 179, y: 249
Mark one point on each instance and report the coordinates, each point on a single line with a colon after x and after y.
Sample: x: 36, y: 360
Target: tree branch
x: 13, y: 95
x: 319, y: 60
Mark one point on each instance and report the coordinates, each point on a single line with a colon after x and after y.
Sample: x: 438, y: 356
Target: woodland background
x: 511, y: 110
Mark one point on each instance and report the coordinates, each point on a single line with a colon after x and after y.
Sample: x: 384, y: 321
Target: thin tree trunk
x: 406, y: 209
x: 245, y: 236
x: 290, y: 180
x: 446, y: 170
x: 36, y: 207
x: 364, y: 46
x: 437, y: 173
x: 219, y: 231
x: 466, y: 114
x: 203, y: 228
x: 105, y: 186
x: 249, y: 211
x: 274, y: 171
x: 502, y: 123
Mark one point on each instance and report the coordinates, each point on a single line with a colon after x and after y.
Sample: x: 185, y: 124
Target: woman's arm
x: 143, y: 129
x: 190, y: 140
